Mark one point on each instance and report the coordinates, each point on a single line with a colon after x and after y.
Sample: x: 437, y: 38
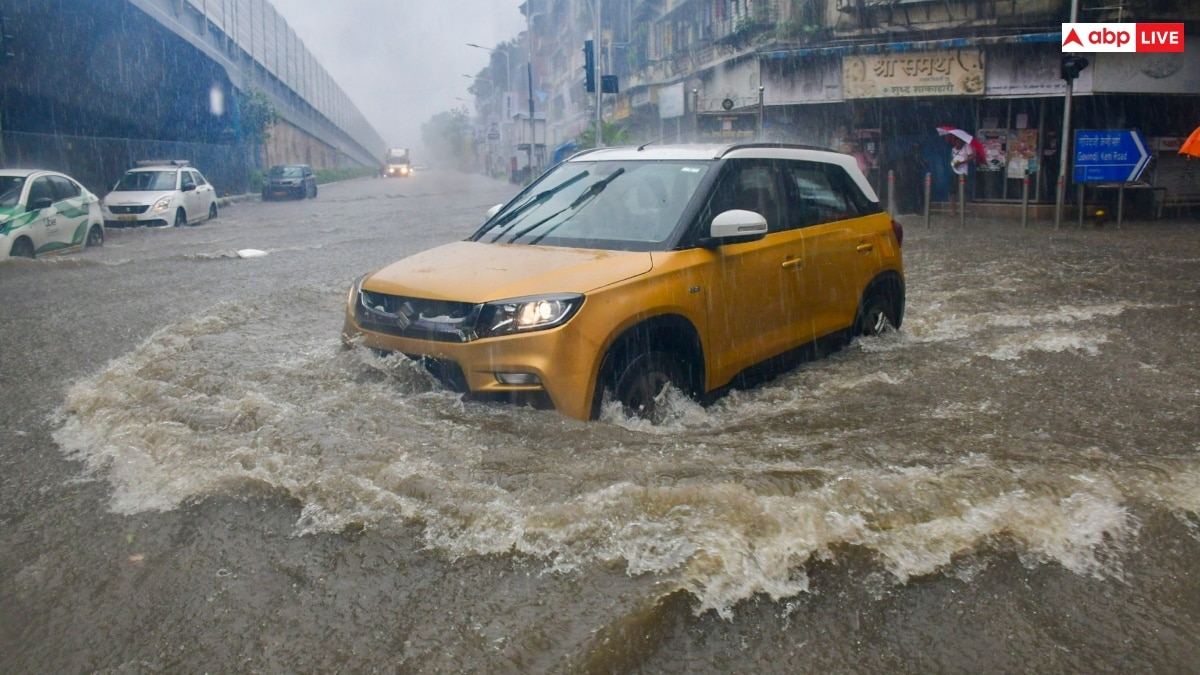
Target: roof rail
x: 162, y: 162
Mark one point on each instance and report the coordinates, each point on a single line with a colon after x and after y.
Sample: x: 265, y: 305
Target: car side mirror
x: 39, y: 204
x: 735, y: 227
x: 493, y: 211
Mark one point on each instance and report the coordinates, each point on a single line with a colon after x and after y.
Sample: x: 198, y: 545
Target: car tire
x: 876, y: 316
x: 22, y: 248
x: 212, y: 211
x: 639, y: 385
x: 314, y: 191
x: 180, y: 217
x: 95, y: 237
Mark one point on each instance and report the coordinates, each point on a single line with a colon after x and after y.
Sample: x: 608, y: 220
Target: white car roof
x: 708, y: 152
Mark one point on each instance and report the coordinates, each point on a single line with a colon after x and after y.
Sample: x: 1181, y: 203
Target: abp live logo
x: 1122, y: 37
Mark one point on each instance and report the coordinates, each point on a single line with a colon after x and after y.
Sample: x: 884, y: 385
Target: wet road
x: 195, y: 477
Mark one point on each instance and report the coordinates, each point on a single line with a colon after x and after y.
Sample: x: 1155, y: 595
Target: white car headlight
x: 162, y: 204
x: 523, y: 315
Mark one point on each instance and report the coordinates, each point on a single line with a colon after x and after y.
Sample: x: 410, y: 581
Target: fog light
x: 517, y: 378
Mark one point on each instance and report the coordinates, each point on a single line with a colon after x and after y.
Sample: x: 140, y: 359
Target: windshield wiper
x: 591, y: 191
x: 510, y: 218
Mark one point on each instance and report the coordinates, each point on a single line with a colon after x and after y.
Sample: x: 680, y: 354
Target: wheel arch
x: 22, y: 240
x: 671, y: 333
x: 889, y: 284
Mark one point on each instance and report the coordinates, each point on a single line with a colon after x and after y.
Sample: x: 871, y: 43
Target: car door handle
x: 793, y: 263
x: 865, y: 247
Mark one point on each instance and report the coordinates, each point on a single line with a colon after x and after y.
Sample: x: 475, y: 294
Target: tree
x: 256, y: 116
x: 611, y: 134
x: 447, y: 137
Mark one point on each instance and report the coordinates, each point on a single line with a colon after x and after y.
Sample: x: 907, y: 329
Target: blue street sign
x: 1109, y: 156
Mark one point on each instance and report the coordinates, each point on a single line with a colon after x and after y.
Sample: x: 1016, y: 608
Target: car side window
x: 821, y: 193
x: 40, y: 189
x: 63, y: 188
x: 198, y: 178
x: 749, y: 185
x: 186, y: 181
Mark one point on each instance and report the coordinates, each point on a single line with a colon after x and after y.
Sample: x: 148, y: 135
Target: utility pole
x: 529, y: 71
x: 598, y: 76
x: 1065, y: 146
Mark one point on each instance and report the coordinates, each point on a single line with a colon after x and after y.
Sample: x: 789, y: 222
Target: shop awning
x: 920, y: 45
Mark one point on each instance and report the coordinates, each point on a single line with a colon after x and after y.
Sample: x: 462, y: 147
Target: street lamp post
x: 503, y: 53
x: 507, y: 74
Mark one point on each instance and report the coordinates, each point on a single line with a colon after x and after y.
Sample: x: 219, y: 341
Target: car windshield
x: 146, y: 181
x: 10, y: 190
x: 618, y: 205
x: 286, y: 171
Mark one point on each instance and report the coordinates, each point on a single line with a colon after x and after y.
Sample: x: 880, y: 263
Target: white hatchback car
x: 160, y: 193
x: 46, y: 212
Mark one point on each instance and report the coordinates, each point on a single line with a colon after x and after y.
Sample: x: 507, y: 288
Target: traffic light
x: 1072, y: 65
x: 589, y: 66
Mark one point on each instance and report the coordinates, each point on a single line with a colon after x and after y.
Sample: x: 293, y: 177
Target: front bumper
x: 563, y: 359
x: 283, y: 191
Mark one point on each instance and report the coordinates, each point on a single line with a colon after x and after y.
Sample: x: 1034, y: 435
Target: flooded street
x: 195, y: 475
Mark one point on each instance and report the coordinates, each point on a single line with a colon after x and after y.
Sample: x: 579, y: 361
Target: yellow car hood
x: 473, y: 272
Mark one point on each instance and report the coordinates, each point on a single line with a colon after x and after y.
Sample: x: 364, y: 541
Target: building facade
x: 872, y: 78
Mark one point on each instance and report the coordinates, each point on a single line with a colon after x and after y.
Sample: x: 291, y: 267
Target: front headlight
x: 523, y: 315
x: 162, y: 204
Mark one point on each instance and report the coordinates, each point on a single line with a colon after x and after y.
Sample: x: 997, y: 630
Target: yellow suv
x: 624, y: 270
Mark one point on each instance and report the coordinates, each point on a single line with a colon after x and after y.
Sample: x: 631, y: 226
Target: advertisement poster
x: 1022, y: 153
x: 993, y: 142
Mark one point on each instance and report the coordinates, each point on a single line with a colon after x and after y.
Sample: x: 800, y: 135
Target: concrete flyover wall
x: 261, y: 51
x: 146, y: 70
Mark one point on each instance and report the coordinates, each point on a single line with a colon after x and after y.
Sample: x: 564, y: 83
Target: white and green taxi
x: 46, y: 212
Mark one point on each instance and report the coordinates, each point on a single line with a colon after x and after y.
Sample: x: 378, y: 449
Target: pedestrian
x: 1049, y: 168
x: 960, y: 162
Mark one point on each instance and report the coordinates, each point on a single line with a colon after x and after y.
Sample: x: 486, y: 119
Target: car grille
x: 128, y: 210
x: 436, y: 320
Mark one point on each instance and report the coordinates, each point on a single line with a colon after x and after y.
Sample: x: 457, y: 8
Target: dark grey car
x: 289, y: 181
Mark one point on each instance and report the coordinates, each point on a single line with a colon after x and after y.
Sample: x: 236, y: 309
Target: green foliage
x: 611, y: 134
x: 257, y: 116
x: 347, y: 173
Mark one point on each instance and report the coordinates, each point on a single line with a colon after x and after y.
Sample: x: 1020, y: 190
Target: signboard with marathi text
x: 952, y: 72
x: 1109, y: 156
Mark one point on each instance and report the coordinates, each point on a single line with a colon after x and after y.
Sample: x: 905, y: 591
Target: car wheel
x: 180, y: 218
x: 314, y: 191
x: 640, y: 385
x: 22, y: 248
x: 212, y: 211
x: 95, y: 236
x: 876, y: 316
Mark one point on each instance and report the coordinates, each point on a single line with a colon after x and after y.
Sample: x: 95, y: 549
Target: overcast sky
x: 402, y: 61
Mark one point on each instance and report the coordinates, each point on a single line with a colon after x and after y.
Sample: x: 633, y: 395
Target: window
x: 821, y: 193
x: 186, y: 181
x: 748, y: 185
x: 63, y: 188
x: 198, y: 178
x: 40, y: 189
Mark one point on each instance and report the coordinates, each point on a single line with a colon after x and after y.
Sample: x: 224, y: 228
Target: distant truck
x: 395, y: 163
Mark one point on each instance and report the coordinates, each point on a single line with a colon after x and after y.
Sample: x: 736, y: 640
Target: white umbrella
x: 980, y: 153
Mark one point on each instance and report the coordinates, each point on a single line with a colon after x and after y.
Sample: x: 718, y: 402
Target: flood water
x: 199, y: 477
